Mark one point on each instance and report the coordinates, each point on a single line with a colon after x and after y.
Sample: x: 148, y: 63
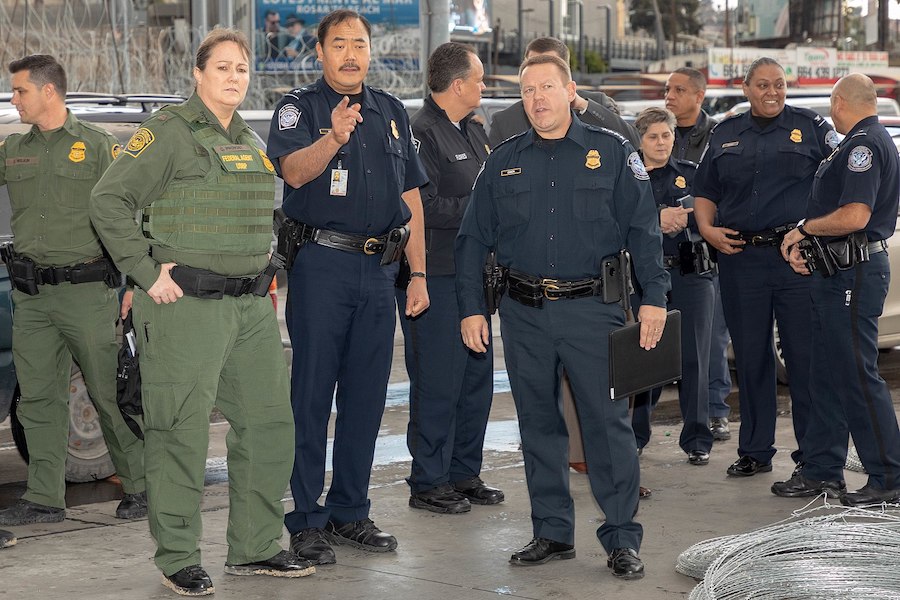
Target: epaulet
x: 509, y: 139
x: 861, y: 133
x: 621, y: 138
x: 683, y: 162
x: 95, y: 128
x: 163, y: 115
x: 388, y: 94
x: 728, y: 118
x: 816, y: 118
x: 306, y: 89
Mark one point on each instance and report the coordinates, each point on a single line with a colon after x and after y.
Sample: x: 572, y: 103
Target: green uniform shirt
x: 50, y: 177
x: 162, y: 151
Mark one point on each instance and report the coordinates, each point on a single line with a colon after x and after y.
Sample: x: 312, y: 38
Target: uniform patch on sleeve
x: 288, y: 117
x: 116, y: 150
x: 831, y: 139
x: 142, y: 138
x: 860, y: 159
x: 637, y: 167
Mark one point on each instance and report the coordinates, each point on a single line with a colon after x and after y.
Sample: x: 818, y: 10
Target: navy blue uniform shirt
x: 671, y: 183
x: 452, y: 157
x: 761, y: 178
x: 556, y: 211
x: 380, y: 159
x: 865, y: 168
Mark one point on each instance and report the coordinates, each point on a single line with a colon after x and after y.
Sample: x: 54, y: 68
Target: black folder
x: 633, y: 370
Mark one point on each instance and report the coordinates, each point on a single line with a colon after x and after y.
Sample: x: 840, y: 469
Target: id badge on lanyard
x: 339, y: 178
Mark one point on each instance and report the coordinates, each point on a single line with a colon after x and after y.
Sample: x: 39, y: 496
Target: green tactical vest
x: 229, y: 210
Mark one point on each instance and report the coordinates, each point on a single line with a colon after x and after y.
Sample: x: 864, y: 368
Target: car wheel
x: 780, y: 369
x: 88, y: 458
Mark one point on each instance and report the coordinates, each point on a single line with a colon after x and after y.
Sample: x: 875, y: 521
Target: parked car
x: 486, y: 111
x: 887, y: 107
x: 88, y: 458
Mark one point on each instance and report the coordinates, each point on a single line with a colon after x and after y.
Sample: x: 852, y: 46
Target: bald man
x: 852, y: 212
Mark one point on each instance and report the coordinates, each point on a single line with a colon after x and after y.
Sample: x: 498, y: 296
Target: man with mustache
x: 352, y: 181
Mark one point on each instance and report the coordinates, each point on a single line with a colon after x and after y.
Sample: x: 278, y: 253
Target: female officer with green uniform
x: 206, y: 334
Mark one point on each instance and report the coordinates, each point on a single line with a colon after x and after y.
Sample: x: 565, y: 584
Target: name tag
x: 508, y: 172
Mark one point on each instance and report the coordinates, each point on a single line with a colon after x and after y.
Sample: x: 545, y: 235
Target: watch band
x: 417, y: 274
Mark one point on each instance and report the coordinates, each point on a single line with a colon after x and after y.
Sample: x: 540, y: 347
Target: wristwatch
x: 417, y: 274
x: 800, y: 228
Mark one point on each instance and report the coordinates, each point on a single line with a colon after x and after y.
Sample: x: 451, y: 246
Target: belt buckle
x: 548, y: 285
x: 757, y: 239
x: 368, y: 249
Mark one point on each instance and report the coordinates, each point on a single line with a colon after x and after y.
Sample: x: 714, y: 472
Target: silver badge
x: 860, y: 159
x: 288, y: 117
x: 831, y: 139
x: 637, y: 167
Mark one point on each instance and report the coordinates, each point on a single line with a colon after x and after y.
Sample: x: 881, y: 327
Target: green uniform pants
x: 50, y: 328
x: 194, y: 354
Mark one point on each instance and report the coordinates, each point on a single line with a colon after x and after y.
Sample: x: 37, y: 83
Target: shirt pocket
x: 730, y: 166
x: 77, y: 179
x: 396, y: 156
x: 797, y: 161
x: 23, y: 184
x: 593, y: 196
x: 513, y: 198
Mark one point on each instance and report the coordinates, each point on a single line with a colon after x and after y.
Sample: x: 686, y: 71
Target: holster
x: 22, y: 271
x: 290, y: 240
x: 495, y: 282
x: 837, y: 255
x: 615, y: 276
x: 395, y: 244
x: 695, y: 257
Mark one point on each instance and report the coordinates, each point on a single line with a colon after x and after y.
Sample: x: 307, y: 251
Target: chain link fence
x: 101, y: 57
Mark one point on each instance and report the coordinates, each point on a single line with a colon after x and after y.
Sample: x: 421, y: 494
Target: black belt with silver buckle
x: 766, y: 237
x: 344, y: 241
x: 532, y: 291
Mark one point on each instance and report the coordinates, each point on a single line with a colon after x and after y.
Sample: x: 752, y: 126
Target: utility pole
x: 884, y: 31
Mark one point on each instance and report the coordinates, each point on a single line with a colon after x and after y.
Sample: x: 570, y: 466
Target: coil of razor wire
x: 848, y: 554
x: 853, y: 462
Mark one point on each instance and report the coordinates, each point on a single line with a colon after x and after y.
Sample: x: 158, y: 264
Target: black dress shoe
x: 625, y: 563
x: 698, y: 458
x: 312, y: 545
x: 720, y: 429
x: 190, y: 581
x: 799, y: 486
x: 867, y: 495
x: 441, y: 499
x: 132, y: 506
x: 798, y: 468
x: 361, y: 534
x: 24, y: 512
x: 7, y: 539
x: 541, y: 550
x: 478, y: 493
x: 283, y: 564
x: 747, y: 466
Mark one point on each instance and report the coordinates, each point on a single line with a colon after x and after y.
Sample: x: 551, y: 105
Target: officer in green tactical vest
x: 65, y: 299
x: 207, y: 334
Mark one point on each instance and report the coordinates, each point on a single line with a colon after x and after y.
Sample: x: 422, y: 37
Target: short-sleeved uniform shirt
x: 671, y: 183
x: 50, y: 177
x: 864, y: 168
x: 556, y: 210
x: 760, y: 178
x: 380, y: 161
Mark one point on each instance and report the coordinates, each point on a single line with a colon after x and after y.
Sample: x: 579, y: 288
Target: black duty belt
x: 200, y: 283
x: 532, y: 291
x: 80, y: 273
x: 344, y: 241
x: 876, y: 247
x: 766, y: 237
x: 670, y: 262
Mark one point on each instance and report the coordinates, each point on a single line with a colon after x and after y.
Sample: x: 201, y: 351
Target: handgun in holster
x: 394, y: 245
x: 22, y: 270
x: 695, y: 257
x: 289, y: 238
x: 494, y: 277
x: 817, y: 258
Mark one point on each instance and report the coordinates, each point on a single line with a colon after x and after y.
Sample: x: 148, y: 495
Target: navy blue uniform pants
x: 341, y: 315
x: 538, y: 344
x: 850, y: 394
x: 693, y: 295
x: 759, y: 287
x: 450, y: 391
x: 719, y: 375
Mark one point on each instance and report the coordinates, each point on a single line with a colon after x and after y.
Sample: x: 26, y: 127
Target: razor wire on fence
x: 101, y: 57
